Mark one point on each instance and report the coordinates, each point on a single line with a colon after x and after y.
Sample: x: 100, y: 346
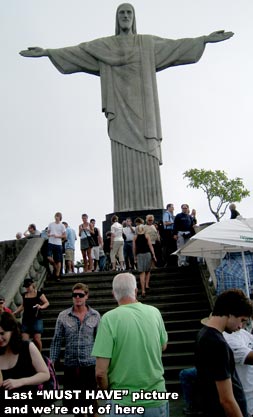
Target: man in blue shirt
x: 168, y: 243
x: 69, y: 248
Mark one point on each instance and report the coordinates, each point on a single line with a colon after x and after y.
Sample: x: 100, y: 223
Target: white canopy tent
x: 220, y: 238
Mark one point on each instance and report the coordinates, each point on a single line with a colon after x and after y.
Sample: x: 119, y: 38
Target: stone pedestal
x: 123, y: 215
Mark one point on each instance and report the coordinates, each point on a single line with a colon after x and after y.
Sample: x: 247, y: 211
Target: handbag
x: 91, y: 241
x: 85, y: 243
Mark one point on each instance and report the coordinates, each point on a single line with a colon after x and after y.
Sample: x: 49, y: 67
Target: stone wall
x: 9, y: 250
x: 20, y: 259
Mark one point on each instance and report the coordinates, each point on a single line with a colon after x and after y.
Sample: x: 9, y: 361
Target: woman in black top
x: 33, y: 302
x: 22, y: 367
x: 143, y: 252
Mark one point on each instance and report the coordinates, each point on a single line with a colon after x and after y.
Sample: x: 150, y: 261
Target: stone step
x: 66, y: 299
x: 173, y: 336
x: 158, y: 287
x: 105, y: 278
x: 171, y: 376
x: 178, y: 293
x: 178, y: 358
x: 173, y: 325
x: 168, y: 307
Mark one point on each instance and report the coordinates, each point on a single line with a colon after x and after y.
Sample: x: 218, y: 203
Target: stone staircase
x: 177, y: 292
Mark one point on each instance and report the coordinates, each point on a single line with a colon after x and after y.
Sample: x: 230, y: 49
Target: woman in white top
x: 117, y: 243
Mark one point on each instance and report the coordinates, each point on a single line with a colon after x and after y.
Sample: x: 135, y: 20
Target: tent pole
x: 245, y: 274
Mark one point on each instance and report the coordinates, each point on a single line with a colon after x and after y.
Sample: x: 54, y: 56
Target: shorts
x: 95, y: 253
x: 69, y: 255
x: 32, y: 328
x: 55, y: 252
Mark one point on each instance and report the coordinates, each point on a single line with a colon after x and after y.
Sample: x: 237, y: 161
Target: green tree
x: 220, y: 190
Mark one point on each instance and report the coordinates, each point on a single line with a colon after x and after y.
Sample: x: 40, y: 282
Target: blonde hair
x: 140, y: 229
x: 81, y: 286
x: 149, y: 217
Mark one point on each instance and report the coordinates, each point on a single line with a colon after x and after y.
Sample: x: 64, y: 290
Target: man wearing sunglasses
x: 77, y: 327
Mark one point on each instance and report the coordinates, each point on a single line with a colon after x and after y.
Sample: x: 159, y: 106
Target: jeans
x: 161, y: 411
x: 182, y: 239
x: 128, y: 254
x: 188, y: 378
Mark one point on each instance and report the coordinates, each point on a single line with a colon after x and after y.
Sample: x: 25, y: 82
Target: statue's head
x: 125, y: 18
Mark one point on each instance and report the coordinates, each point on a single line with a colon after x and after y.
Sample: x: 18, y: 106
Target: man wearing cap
x: 220, y: 388
x: 3, y: 308
x: 77, y: 327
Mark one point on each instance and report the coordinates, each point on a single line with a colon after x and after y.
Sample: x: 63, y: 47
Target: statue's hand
x: 34, y: 52
x: 218, y: 36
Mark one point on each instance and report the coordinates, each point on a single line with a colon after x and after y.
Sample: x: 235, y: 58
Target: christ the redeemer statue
x: 127, y: 64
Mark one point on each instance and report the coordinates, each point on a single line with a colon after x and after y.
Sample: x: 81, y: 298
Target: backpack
x: 52, y: 383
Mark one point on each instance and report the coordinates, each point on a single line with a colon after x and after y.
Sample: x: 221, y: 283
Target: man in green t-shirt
x: 128, y: 350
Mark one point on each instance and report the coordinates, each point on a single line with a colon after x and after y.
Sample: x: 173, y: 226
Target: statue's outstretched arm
x: 218, y: 36
x: 34, y: 52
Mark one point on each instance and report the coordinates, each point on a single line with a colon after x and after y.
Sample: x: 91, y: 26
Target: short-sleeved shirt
x: 241, y: 343
x: 168, y: 217
x: 117, y: 230
x: 132, y: 335
x: 56, y: 229
x: 152, y: 232
x: 215, y: 362
x: 71, y: 239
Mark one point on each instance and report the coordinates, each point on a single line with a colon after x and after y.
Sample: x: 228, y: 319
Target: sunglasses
x: 78, y: 294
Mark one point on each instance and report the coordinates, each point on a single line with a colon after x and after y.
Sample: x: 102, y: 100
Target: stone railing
x: 209, y: 279
x: 9, y: 251
x: 28, y: 263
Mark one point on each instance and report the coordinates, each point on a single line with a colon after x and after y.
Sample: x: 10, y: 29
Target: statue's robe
x: 127, y: 67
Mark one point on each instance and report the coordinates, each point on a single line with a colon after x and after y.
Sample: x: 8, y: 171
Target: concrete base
x: 123, y: 215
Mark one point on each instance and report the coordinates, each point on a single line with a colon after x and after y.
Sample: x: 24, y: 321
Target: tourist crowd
x: 119, y: 248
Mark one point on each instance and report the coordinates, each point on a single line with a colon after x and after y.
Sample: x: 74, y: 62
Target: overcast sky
x: 55, y: 152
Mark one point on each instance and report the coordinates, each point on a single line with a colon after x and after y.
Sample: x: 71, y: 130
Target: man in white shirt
x: 56, y: 232
x: 241, y: 343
